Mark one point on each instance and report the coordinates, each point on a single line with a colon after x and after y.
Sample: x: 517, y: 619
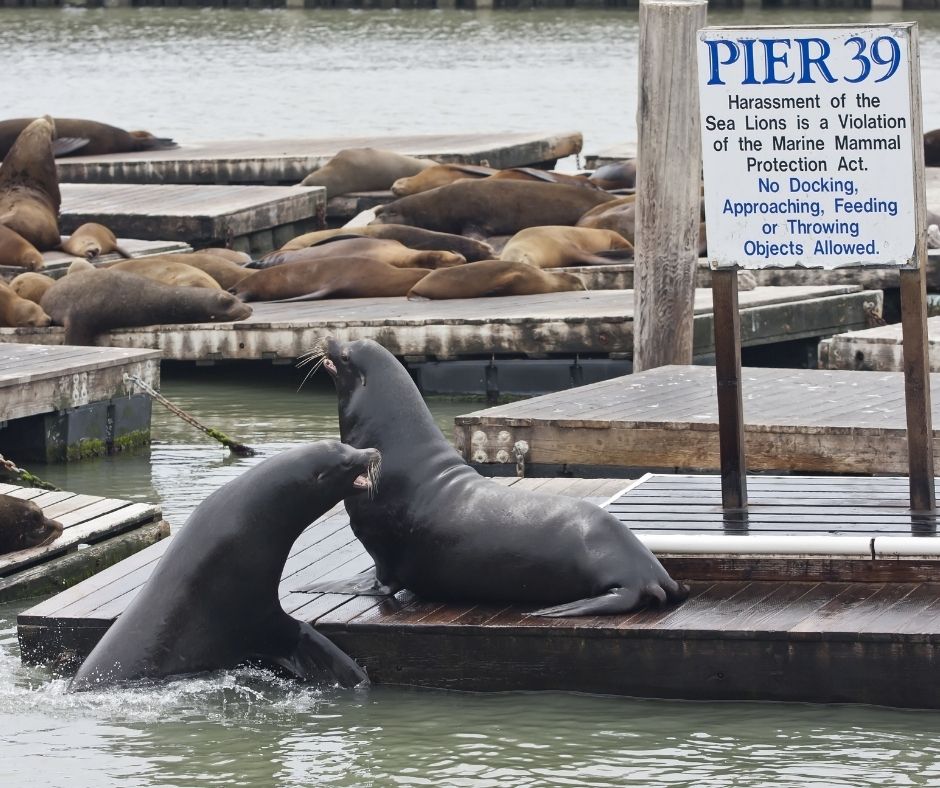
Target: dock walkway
x: 795, y: 420
x: 878, y: 349
x: 806, y: 634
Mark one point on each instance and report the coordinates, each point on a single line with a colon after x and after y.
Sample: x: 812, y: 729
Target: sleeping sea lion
x: 546, y: 176
x: 31, y: 286
x: 558, y: 247
x: 226, y: 272
x: 162, y: 268
x: 436, y: 527
x: 23, y: 525
x: 16, y: 251
x: 380, y: 249
x: 212, y: 602
x: 492, y: 278
x: 412, y: 237
x: 329, y: 277
x: 90, y: 302
x: 620, y: 216
x: 18, y: 312
x: 364, y: 170
x: 29, y: 187
x: 80, y: 265
x: 492, y: 207
x: 621, y: 175
x: 87, y: 137
x: 92, y: 240
x: 439, y: 175
x: 239, y: 258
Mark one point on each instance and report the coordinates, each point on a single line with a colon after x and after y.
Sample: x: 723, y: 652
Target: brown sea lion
x: 29, y: 187
x: 23, y: 525
x: 558, y: 247
x: 621, y: 175
x: 492, y: 207
x: 31, y: 286
x: 79, y: 265
x: 546, y: 176
x: 620, y: 216
x: 239, y: 258
x: 167, y: 271
x: 16, y: 251
x: 87, y: 137
x: 381, y: 249
x: 439, y: 175
x: 17, y: 312
x: 412, y: 237
x: 330, y: 277
x: 492, y: 278
x: 364, y: 170
x: 223, y: 270
x: 89, y: 302
x: 92, y: 240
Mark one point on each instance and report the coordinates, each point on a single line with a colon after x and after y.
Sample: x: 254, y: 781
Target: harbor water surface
x: 199, y: 75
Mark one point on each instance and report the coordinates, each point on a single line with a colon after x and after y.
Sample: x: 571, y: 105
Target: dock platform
x: 879, y: 348
x: 795, y: 420
x: 251, y: 219
x: 287, y: 162
x: 62, y: 402
x: 843, y: 614
x: 97, y: 532
x: 595, y: 322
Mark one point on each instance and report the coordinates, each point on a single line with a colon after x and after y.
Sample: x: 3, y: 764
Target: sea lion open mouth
x: 362, y: 482
x: 329, y: 366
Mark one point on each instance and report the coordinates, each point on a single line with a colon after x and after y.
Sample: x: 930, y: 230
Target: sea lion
x: 439, y: 529
x: 87, y: 137
x: 492, y: 278
x: 546, y: 176
x: 162, y: 268
x: 23, y: 525
x: 621, y: 175
x: 222, y: 269
x: 364, y: 170
x: 239, y: 258
x: 380, y: 249
x: 932, y: 148
x: 92, y: 240
x: 330, y: 277
x: 212, y: 600
x: 439, y: 175
x: 620, y: 216
x: 89, y: 302
x: 18, y: 312
x: 29, y: 187
x: 492, y: 207
x: 558, y: 247
x: 16, y: 251
x: 31, y: 286
x: 80, y: 265
x: 412, y: 237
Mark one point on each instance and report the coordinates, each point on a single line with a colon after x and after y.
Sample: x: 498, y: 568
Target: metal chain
x: 24, y: 475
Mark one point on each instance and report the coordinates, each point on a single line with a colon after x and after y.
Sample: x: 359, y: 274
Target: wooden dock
x: 62, y: 402
x: 595, y: 322
x: 252, y: 219
x: 613, y: 154
x: 97, y: 532
x: 287, y: 162
x: 799, y: 420
x: 832, y: 622
x: 879, y: 349
x: 57, y: 263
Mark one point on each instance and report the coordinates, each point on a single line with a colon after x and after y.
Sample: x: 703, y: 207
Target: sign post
x: 813, y: 157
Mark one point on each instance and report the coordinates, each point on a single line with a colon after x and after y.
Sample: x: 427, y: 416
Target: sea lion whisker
x: 372, y: 474
x: 312, y: 369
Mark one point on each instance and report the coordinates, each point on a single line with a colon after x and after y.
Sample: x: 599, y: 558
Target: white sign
x: 808, y: 145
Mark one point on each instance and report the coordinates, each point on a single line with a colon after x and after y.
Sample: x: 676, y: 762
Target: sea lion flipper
x: 615, y: 601
x: 315, y: 656
x: 364, y: 584
x: 316, y: 295
x: 63, y: 146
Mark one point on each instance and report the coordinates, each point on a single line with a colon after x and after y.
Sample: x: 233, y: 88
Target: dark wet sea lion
x: 330, y: 277
x: 412, y: 237
x: 92, y: 240
x: 492, y: 278
x: 168, y: 270
x: 16, y: 251
x: 439, y: 175
x: 90, y: 137
x: 23, y: 525
x: 19, y: 312
x: 382, y: 250
x: 90, y: 302
x: 212, y: 601
x: 438, y: 528
x: 557, y: 247
x: 29, y: 187
x: 492, y: 207
x: 364, y: 170
x: 621, y: 175
x: 31, y: 286
x: 932, y: 148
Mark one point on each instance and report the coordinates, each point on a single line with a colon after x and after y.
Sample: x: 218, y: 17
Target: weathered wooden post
x: 668, y: 182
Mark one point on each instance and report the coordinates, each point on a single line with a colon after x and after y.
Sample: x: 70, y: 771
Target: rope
x: 23, y: 475
x: 234, y: 446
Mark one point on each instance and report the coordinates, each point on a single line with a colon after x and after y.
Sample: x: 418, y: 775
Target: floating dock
x: 880, y: 348
x: 825, y: 597
x: 287, y: 162
x: 97, y: 532
x: 65, y: 403
x: 595, y: 322
x: 251, y: 219
x: 795, y: 420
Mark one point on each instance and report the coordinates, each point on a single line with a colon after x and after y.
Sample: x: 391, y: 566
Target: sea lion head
x: 29, y: 313
x: 338, y: 467
x: 24, y: 525
x: 351, y: 364
x: 391, y: 213
x: 569, y: 282
x: 225, y: 306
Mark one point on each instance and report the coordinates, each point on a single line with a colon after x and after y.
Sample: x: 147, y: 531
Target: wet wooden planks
x: 41, y: 378
x: 876, y: 349
x: 592, y: 322
x: 827, y: 641
x: 815, y: 421
x: 288, y: 161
